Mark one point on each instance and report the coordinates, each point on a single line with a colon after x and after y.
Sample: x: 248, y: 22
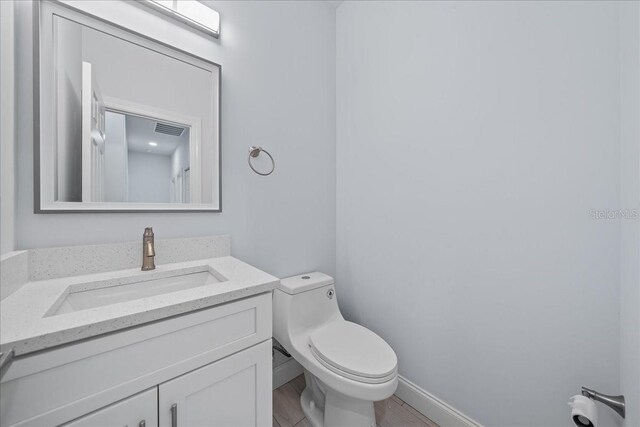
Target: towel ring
x: 255, y: 152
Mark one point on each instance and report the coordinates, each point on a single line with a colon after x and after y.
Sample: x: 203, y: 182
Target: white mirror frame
x: 44, y: 170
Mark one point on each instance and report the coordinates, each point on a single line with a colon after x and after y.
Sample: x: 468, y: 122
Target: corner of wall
x: 7, y: 128
x: 630, y: 202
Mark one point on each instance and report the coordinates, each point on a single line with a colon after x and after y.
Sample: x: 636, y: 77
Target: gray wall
x: 473, y: 138
x: 7, y: 129
x: 68, y: 111
x: 630, y: 199
x: 278, y: 91
x: 115, y: 158
x: 179, y: 162
x: 149, y: 177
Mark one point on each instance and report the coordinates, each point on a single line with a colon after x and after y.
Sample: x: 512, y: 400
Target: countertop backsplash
x: 20, y: 267
x: 14, y: 272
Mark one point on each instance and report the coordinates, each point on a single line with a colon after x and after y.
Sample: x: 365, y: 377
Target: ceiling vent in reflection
x: 169, y: 129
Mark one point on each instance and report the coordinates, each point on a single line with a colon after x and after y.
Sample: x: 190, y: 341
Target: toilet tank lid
x: 304, y: 282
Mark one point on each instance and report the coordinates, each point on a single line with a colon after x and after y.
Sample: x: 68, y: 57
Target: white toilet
x: 347, y: 367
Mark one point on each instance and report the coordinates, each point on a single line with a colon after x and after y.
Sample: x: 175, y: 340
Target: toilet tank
x: 301, y: 304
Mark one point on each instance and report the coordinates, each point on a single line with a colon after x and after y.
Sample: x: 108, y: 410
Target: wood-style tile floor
x: 392, y: 412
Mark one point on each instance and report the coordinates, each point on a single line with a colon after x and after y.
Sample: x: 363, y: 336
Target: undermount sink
x: 107, y: 292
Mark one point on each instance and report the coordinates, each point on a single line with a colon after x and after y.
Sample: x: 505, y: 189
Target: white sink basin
x: 98, y: 294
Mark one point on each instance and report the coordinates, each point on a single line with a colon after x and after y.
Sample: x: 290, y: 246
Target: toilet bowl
x: 347, y: 367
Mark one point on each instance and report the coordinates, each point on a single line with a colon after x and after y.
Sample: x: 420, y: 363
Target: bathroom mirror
x: 126, y: 123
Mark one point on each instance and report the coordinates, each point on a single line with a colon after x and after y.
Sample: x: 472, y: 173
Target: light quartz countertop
x: 27, y: 325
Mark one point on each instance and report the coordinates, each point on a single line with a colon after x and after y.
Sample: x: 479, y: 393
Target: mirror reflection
x: 133, y: 121
x: 145, y: 161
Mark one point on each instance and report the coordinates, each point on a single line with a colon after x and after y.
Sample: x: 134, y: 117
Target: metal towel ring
x: 255, y: 152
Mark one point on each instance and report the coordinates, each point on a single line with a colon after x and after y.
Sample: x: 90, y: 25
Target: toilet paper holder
x: 614, y: 402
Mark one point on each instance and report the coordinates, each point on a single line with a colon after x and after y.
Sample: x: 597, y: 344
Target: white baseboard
x: 285, y: 372
x: 435, y: 409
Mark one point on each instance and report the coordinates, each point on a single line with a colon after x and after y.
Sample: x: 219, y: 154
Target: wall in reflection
x: 144, y: 165
x: 148, y: 100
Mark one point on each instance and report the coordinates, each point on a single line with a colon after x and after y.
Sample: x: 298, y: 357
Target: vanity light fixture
x: 153, y: 144
x: 190, y: 12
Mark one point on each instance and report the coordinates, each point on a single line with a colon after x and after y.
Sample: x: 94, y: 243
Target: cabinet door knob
x: 142, y: 423
x: 174, y: 415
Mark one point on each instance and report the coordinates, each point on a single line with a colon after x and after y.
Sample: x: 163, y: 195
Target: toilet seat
x: 354, y: 352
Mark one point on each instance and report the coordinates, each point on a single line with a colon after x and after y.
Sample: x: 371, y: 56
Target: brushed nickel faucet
x: 148, y: 250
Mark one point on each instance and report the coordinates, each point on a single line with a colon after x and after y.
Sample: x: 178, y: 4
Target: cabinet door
x: 232, y: 392
x: 140, y: 410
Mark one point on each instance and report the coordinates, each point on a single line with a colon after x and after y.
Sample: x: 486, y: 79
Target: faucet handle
x: 150, y: 250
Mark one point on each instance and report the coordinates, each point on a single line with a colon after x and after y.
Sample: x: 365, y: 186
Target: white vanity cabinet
x: 213, y: 364
x: 140, y: 410
x: 225, y: 393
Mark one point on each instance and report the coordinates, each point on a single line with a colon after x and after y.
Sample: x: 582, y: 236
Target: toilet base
x: 314, y: 414
x: 327, y: 408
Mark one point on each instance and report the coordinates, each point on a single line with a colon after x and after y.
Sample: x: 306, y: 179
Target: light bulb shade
x: 190, y: 12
